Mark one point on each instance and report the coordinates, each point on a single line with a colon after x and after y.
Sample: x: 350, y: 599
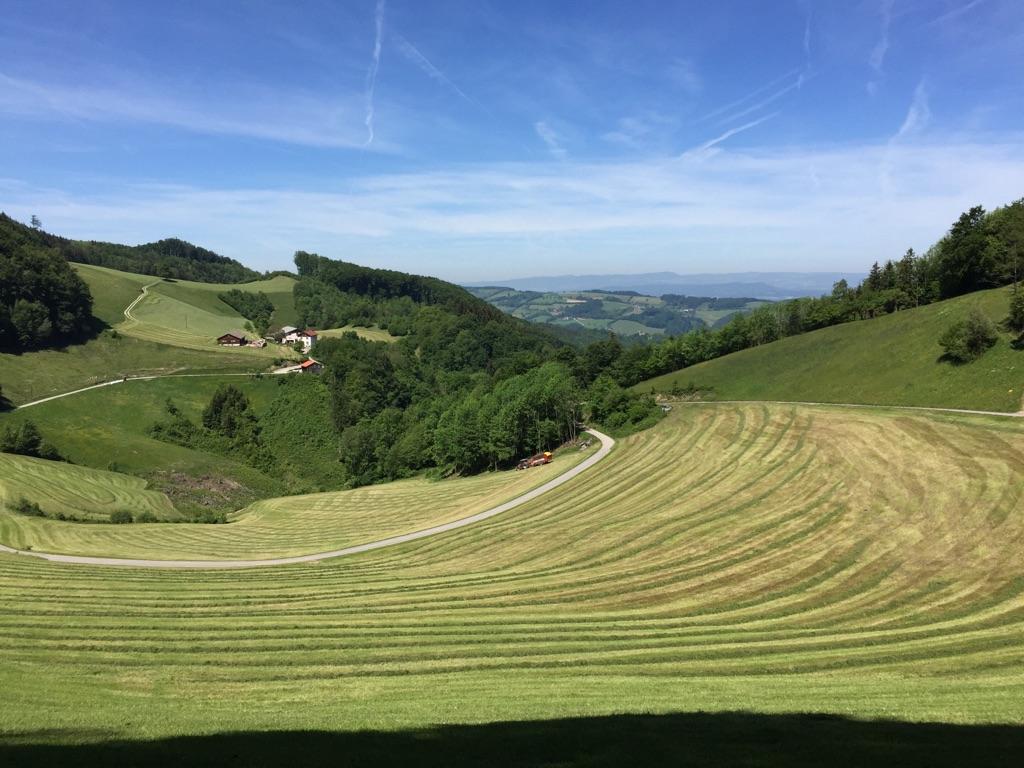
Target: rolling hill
x: 889, y: 360
x: 624, y: 313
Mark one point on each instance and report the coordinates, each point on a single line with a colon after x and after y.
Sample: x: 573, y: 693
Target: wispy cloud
x: 649, y: 129
x: 413, y: 54
x: 917, y: 118
x: 918, y: 114
x: 371, y: 75
x: 955, y: 12
x: 750, y: 96
x: 254, y: 112
x: 683, y: 73
x: 548, y: 135
x: 696, y: 151
x: 807, y: 32
x: 758, y: 106
x: 752, y: 208
x: 877, y: 57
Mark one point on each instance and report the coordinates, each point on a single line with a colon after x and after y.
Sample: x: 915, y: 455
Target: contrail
x: 731, y: 132
x: 371, y: 76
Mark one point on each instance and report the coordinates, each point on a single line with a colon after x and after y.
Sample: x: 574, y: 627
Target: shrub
x: 1015, y: 321
x: 26, y: 440
x: 968, y: 339
x: 121, y: 516
x: 147, y: 517
x: 25, y: 507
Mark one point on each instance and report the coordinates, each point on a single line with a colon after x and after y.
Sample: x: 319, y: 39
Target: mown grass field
x: 768, y: 559
x: 190, y: 315
x: 890, y: 360
x: 67, y: 489
x: 279, y: 527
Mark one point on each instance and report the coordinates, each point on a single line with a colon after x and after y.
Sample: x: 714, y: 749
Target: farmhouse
x: 232, y: 339
x: 290, y: 335
x: 311, y: 366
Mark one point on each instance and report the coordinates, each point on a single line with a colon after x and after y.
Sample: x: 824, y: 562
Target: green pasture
x: 808, y: 584
x: 34, y: 375
x: 371, y: 333
x: 890, y: 360
x: 107, y: 428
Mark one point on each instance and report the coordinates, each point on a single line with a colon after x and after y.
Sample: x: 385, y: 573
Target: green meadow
x: 891, y: 360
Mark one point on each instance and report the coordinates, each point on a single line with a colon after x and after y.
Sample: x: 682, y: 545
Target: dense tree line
x: 172, y: 258
x: 43, y: 302
x: 257, y: 307
x: 981, y: 250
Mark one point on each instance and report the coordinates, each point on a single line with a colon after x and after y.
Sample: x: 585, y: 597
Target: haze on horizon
x: 480, y: 141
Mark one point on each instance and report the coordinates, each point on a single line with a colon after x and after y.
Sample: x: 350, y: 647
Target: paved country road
x: 607, y: 444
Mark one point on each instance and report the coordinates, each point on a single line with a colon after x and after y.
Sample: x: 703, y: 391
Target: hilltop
x: 170, y: 257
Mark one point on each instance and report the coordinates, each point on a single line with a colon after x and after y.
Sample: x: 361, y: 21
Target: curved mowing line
x: 140, y: 297
x: 607, y: 444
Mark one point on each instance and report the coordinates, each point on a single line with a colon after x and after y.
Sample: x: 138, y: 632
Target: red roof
x: 310, y: 332
x: 309, y: 363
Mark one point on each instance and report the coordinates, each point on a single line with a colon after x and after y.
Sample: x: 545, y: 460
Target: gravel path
x: 607, y: 444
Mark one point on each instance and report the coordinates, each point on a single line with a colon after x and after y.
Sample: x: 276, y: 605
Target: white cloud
x: 548, y: 135
x: 413, y: 54
x: 878, y: 53
x: 294, y: 118
x: 955, y: 12
x: 748, y: 97
x: 684, y: 74
x: 918, y: 114
x: 703, y: 148
x: 371, y: 75
x: 791, y: 208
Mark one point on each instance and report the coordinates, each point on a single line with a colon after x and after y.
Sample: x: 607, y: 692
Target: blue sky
x: 478, y: 140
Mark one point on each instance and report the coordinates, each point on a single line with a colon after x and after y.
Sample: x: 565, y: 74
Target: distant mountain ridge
x: 762, y: 285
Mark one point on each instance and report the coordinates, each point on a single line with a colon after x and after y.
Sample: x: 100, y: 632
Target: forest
x: 43, y: 302
x: 465, y: 388
x: 171, y: 258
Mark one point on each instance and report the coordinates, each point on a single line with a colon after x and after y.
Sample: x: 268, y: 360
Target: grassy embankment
x: 890, y: 360
x: 770, y: 559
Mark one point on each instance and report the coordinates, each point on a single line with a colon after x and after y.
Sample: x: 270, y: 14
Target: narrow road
x: 924, y: 408
x: 607, y: 444
x: 123, y: 380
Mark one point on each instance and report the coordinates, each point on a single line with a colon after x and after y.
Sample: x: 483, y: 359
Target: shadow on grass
x: 697, y: 739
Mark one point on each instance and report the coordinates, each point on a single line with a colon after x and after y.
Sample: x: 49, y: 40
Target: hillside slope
x: 735, y: 557
x: 890, y: 360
